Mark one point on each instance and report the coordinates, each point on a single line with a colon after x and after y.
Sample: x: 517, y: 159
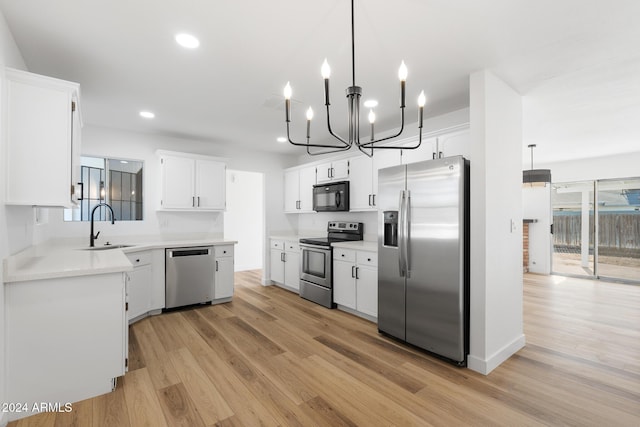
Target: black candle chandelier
x: 353, y: 102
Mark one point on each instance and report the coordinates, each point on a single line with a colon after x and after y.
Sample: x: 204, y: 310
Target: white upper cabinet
x: 363, y: 187
x: 333, y: 171
x: 191, y: 182
x: 457, y: 143
x: 298, y: 189
x: 361, y: 184
x: 42, y: 125
x: 209, y: 193
x: 426, y: 151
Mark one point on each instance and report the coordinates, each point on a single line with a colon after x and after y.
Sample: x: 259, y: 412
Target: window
x: 116, y: 182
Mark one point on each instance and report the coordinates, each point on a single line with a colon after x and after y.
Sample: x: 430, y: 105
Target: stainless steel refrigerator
x: 423, y: 255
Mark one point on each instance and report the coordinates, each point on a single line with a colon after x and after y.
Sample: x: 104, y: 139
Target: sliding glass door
x: 573, y: 228
x: 618, y: 245
x: 596, y: 229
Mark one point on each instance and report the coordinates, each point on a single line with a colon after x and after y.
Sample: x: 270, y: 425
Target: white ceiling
x: 576, y: 62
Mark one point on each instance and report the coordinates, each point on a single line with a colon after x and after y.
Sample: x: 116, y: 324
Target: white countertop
x: 289, y: 237
x: 69, y: 257
x: 360, y: 245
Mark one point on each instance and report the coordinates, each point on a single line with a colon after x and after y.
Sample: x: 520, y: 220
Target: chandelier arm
x: 307, y: 144
x: 362, y: 150
x: 347, y: 145
x: 370, y: 144
x: 337, y: 150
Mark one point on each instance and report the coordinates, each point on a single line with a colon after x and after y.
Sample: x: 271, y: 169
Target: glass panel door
x: 618, y: 255
x: 573, y: 228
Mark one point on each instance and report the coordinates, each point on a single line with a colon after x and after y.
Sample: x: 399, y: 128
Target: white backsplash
x: 314, y: 224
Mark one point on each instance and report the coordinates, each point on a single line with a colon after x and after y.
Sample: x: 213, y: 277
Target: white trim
x: 3, y: 420
x: 486, y: 366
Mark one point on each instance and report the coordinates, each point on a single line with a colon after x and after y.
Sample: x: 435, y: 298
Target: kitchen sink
x: 106, y: 247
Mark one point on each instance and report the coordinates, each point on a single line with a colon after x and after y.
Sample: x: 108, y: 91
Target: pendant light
x: 536, y: 177
x: 353, y: 94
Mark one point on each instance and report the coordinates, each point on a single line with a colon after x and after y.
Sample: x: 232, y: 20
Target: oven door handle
x: 309, y: 245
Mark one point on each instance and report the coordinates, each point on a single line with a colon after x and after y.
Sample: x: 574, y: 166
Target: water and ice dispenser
x: 391, y: 228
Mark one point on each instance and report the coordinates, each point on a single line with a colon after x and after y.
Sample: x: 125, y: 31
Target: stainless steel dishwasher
x: 189, y: 276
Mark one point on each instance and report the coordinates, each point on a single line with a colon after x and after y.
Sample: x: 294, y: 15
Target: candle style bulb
x: 309, y: 114
x: 372, y: 117
x: 325, y: 69
x: 422, y: 99
x: 402, y: 72
x: 287, y: 91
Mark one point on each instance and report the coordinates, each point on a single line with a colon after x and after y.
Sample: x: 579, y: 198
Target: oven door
x: 315, y: 264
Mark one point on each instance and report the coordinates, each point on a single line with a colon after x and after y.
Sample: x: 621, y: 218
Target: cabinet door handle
x: 333, y: 172
x: 357, y: 269
x: 216, y: 265
x: 374, y: 199
x: 193, y: 201
x: 198, y: 201
x: 353, y: 269
x: 329, y: 173
x: 370, y: 200
x: 282, y: 256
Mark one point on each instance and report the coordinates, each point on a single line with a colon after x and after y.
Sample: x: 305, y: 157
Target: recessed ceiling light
x: 124, y: 162
x: 147, y: 114
x: 282, y: 139
x: 187, y: 40
x: 370, y: 103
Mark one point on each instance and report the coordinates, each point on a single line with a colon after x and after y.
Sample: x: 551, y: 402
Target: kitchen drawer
x: 139, y: 258
x: 277, y: 244
x: 291, y: 246
x: 344, y: 254
x: 224, y: 251
x: 367, y: 258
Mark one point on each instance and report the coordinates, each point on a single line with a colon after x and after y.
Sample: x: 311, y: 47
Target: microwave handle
x: 338, y: 199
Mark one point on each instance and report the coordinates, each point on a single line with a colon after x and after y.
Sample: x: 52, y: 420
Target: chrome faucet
x: 92, y: 238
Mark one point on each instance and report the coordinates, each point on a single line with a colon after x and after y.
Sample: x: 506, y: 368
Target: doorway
x: 244, y: 218
x: 597, y: 229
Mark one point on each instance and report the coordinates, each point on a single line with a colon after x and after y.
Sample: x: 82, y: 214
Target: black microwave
x: 331, y: 197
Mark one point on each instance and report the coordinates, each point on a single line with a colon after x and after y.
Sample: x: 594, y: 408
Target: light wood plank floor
x: 271, y: 358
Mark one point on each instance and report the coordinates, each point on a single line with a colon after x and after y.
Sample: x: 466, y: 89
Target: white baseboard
x: 266, y: 282
x: 485, y: 366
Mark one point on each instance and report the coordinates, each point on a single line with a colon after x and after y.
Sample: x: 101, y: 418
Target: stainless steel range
x: 316, y: 269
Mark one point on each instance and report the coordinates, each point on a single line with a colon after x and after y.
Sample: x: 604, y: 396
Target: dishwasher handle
x: 175, y: 253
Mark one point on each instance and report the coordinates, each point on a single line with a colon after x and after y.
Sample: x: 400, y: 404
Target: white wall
x: 315, y: 224
x: 496, y: 330
x: 536, y: 204
x: 15, y: 228
x: 244, y: 218
x: 604, y: 167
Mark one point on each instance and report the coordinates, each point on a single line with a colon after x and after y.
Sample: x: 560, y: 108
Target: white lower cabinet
x: 355, y: 280
x: 66, y: 338
x: 139, y: 284
x: 285, y: 263
x: 223, y: 283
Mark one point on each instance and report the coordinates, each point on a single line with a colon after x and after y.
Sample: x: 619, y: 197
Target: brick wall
x: 525, y: 247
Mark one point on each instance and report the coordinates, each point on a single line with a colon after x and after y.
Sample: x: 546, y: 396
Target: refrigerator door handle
x: 401, y: 262
x: 407, y: 234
